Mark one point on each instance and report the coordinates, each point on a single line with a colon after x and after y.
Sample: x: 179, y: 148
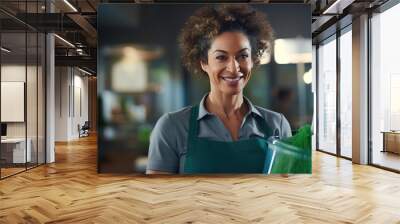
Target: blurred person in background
x: 225, y: 132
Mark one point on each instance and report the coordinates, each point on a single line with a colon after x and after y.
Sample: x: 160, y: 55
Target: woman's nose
x: 233, y: 65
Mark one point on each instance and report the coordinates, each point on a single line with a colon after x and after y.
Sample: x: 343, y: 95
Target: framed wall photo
x: 12, y: 101
x: 158, y: 63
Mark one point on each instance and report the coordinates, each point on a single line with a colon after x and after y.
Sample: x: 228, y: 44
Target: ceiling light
x: 65, y: 41
x: 70, y: 5
x: 5, y: 50
x: 307, y: 77
x: 84, y: 71
x: 293, y: 51
x: 337, y: 7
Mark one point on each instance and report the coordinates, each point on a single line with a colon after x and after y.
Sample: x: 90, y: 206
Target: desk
x: 391, y: 141
x: 16, y: 147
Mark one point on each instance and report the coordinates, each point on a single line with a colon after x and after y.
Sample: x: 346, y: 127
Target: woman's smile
x: 233, y: 80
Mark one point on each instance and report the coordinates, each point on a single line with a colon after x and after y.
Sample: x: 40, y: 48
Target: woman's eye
x: 221, y: 57
x: 244, y: 56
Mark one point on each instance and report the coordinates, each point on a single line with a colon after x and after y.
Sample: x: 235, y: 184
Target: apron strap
x: 193, y: 124
x: 266, y: 129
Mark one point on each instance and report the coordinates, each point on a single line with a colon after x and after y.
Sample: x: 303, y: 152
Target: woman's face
x: 229, y: 63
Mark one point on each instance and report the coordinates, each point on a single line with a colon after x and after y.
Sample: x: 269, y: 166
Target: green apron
x: 243, y: 156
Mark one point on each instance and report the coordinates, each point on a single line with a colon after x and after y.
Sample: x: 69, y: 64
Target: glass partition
x: 22, y: 87
x: 14, y: 153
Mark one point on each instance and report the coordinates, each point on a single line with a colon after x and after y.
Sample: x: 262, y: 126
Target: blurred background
x: 140, y: 75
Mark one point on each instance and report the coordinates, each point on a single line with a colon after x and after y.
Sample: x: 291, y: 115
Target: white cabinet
x: 18, y: 146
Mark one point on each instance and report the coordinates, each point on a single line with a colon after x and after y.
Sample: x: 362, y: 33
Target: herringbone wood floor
x: 70, y: 191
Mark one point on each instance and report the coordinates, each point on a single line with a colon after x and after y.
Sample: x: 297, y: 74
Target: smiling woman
x: 225, y: 132
x: 229, y: 65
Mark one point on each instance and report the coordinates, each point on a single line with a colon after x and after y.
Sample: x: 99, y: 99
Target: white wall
x: 71, y: 94
x: 62, y: 81
x: 12, y: 73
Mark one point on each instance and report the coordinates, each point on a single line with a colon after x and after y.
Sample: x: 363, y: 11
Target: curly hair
x: 208, y: 22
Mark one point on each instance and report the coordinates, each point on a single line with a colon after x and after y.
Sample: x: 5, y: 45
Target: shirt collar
x: 203, y: 111
x: 202, y: 108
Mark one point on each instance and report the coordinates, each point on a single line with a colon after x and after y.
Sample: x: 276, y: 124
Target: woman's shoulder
x: 272, y: 117
x: 176, y: 118
x: 180, y: 114
x: 276, y: 121
x: 268, y: 114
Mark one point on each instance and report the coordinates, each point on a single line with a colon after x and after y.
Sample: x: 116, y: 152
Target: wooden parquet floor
x: 70, y: 191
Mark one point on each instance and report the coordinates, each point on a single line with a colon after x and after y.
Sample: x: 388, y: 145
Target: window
x: 385, y: 88
x: 346, y: 93
x: 327, y: 96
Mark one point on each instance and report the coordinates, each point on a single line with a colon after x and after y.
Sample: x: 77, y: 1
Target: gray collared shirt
x: 168, y: 140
